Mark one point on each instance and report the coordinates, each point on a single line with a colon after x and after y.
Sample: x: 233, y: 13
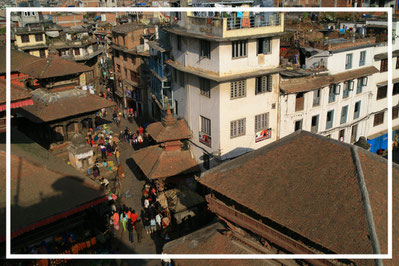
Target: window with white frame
x: 237, y: 128
x: 330, y: 119
x: 263, y: 84
x: 344, y: 114
x: 205, y: 49
x: 264, y: 45
x: 361, y: 82
x: 348, y: 61
x: 237, y: 89
x: 239, y: 49
x: 348, y: 86
x: 316, y: 97
x: 356, y: 112
x: 205, y: 125
x: 261, y: 122
x: 205, y: 87
x: 333, y: 91
x: 362, y: 60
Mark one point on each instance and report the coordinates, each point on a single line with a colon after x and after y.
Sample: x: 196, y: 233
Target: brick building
x: 68, y: 19
x: 130, y: 55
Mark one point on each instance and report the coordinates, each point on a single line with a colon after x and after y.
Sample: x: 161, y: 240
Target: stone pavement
x: 134, y: 184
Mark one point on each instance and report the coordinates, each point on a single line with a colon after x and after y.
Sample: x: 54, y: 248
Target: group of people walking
x: 129, y: 220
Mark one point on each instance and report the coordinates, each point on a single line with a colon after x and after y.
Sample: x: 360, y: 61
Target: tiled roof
x: 44, y: 68
x: 209, y: 240
x: 42, y: 185
x: 18, y: 59
x: 156, y: 163
x: 317, y: 82
x: 45, y: 110
x: 175, y: 130
x: 308, y: 184
x: 17, y: 93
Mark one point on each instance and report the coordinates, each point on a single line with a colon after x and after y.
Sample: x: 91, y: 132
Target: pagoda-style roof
x: 159, y: 161
x: 169, y: 129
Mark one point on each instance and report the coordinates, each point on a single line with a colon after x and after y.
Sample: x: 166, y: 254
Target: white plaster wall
x: 252, y: 61
x: 289, y: 116
x: 247, y: 107
x: 336, y: 62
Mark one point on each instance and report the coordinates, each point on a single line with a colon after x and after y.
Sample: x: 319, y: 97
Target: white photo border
x: 387, y: 10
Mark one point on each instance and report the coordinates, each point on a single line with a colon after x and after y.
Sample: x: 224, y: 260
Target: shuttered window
x: 237, y: 128
x: 237, y: 89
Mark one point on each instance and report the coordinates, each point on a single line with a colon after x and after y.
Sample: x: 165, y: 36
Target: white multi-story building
x: 336, y: 103
x: 226, y: 81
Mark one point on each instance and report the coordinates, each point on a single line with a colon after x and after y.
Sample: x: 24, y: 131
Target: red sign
x: 262, y: 135
x: 205, y: 139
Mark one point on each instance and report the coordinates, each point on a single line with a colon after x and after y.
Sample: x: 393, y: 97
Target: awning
x: 17, y: 104
x: 386, y: 82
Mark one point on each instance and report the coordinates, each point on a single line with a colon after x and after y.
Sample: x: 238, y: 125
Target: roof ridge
x: 366, y: 203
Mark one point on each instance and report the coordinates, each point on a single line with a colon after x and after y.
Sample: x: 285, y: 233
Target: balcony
x: 162, y: 93
x: 234, y: 25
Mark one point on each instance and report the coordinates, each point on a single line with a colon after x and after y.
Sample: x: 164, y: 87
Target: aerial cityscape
x: 199, y: 132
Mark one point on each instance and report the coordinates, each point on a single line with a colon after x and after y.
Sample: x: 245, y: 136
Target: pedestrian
x: 141, y: 130
x: 130, y: 229
x: 96, y: 171
x: 134, y: 217
x: 115, y: 116
x: 121, y: 137
x: 115, y: 217
x: 118, y: 121
x: 114, y: 146
x: 125, y: 113
x: 123, y: 219
x: 126, y: 134
x: 158, y: 219
x: 146, y: 204
x: 121, y: 172
x: 109, y: 149
x: 101, y: 141
x: 153, y: 224
x: 135, y: 114
x: 117, y: 155
x: 139, y: 228
x: 103, y: 152
x: 146, y: 222
x: 104, y: 182
x: 117, y: 186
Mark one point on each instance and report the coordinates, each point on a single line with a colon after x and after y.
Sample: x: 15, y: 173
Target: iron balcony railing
x: 253, y: 21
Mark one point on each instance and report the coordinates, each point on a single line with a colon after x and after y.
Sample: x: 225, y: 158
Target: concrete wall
x: 32, y: 40
x: 336, y: 62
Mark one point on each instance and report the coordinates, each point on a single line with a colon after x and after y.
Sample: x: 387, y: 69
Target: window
x: 315, y: 124
x: 348, y: 61
x: 382, y: 92
x: 334, y: 90
x: 344, y: 114
x: 206, y: 158
x: 341, y: 136
x: 379, y: 119
x: 354, y: 133
x: 356, y: 113
x: 384, y: 65
x: 116, y: 53
x: 237, y: 89
x: 397, y: 62
x: 176, y: 109
x: 181, y: 78
x: 362, y: 61
x: 239, y: 49
x: 299, y: 101
x: 263, y: 84
x: 205, y: 49
x: 126, y: 73
x: 330, y: 119
x: 39, y: 37
x: 133, y: 76
x: 206, y: 125
x: 261, y: 122
x: 205, y: 87
x: 76, y: 51
x: 179, y: 42
x: 124, y: 56
x: 395, y: 89
x: 395, y: 113
x: 264, y: 46
x: 237, y: 128
x: 298, y: 125
x: 348, y: 86
x: 25, y: 38
x: 361, y: 82
x: 316, y: 97
x: 118, y: 67
x: 42, y: 53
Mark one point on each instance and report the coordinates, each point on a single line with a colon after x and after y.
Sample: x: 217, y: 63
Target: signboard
x: 262, y: 135
x: 205, y: 139
x: 84, y: 155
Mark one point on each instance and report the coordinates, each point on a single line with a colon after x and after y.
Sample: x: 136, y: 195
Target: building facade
x: 225, y: 81
x: 31, y: 41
